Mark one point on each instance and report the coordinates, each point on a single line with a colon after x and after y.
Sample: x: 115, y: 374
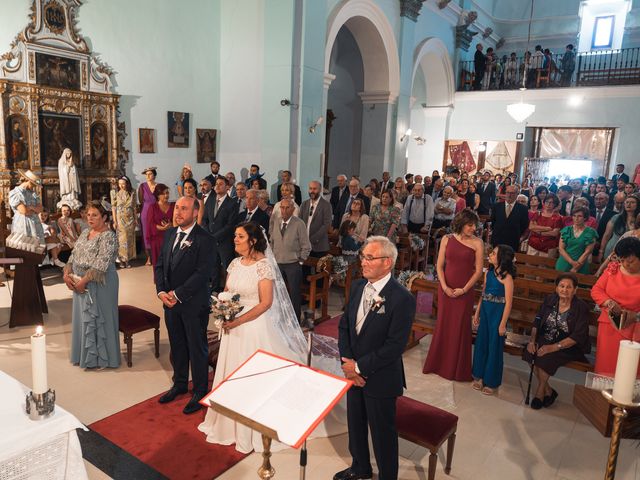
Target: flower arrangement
x: 417, y: 243
x: 224, y: 308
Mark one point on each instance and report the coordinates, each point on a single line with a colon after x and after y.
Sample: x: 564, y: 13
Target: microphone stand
x: 303, y: 451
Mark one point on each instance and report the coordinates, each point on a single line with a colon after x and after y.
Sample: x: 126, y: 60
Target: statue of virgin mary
x: 69, y: 181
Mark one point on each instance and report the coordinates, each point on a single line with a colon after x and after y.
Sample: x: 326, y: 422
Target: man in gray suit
x: 290, y: 243
x: 316, y: 214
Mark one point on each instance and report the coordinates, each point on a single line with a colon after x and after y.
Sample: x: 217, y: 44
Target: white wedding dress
x: 241, y: 342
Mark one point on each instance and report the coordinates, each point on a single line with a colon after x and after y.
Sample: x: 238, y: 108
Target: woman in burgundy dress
x: 159, y: 219
x: 459, y: 267
x: 145, y: 200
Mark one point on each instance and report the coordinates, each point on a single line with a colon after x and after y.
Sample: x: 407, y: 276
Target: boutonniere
x: 186, y: 244
x: 378, y: 304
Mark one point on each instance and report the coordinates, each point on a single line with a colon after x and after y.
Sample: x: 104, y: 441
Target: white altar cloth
x: 46, y: 449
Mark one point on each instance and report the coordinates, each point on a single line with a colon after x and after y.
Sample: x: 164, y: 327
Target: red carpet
x: 167, y: 440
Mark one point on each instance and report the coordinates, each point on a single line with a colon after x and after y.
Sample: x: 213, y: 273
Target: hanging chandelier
x: 521, y: 111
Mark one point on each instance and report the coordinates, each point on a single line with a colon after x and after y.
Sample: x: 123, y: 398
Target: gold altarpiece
x: 54, y: 94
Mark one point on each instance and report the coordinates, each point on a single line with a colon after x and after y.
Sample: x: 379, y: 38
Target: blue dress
x: 488, y: 350
x: 27, y: 224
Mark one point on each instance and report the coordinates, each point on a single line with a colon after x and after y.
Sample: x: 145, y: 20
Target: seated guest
x: 360, y: 218
x: 560, y: 335
x: 619, y: 225
x: 91, y: 275
x: 69, y: 230
x: 51, y: 238
x: 590, y: 221
x: 445, y: 209
x: 576, y: 244
x: 82, y: 221
x: 350, y: 246
x: 544, y: 227
x: 385, y: 217
x: 616, y: 292
x: 417, y: 214
x: 159, y: 220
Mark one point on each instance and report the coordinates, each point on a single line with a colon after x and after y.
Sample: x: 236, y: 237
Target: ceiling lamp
x: 520, y: 111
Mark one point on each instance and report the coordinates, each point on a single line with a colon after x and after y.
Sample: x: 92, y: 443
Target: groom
x: 182, y: 276
x: 374, y: 331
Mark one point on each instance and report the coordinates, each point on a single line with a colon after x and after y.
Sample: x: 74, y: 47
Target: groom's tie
x: 369, y: 293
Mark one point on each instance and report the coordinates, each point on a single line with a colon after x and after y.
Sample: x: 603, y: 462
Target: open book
x: 287, y: 397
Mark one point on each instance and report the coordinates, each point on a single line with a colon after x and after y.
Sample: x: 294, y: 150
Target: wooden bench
x: 613, y: 76
x: 134, y: 320
x: 544, y: 262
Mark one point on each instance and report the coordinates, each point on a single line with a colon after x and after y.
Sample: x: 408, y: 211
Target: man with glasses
x: 373, y: 333
x: 344, y: 206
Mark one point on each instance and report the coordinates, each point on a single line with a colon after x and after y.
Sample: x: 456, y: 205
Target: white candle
x: 626, y: 371
x: 39, y: 361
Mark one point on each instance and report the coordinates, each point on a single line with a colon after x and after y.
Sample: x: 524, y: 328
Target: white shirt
x: 313, y: 206
x: 187, y: 231
x: 377, y: 286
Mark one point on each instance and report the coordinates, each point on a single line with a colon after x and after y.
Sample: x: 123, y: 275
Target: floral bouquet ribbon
x: 224, y: 308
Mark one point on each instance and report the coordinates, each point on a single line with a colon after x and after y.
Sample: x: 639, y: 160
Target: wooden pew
x: 544, y: 262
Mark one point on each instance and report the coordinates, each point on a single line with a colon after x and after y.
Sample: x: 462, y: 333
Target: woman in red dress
x: 159, y: 220
x: 459, y: 267
x: 618, y: 291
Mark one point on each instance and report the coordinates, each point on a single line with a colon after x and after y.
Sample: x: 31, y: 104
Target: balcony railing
x: 610, y: 67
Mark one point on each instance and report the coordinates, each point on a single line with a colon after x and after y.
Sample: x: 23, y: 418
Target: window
x: 603, y: 32
x: 569, y: 168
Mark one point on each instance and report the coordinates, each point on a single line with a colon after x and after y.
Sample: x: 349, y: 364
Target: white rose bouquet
x: 224, y: 308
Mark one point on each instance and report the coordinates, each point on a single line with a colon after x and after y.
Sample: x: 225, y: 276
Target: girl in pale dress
x: 123, y: 203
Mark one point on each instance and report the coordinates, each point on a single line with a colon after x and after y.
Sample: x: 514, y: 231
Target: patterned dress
x: 124, y: 206
x: 27, y: 224
x: 382, y: 219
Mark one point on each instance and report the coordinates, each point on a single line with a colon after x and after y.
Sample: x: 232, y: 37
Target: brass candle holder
x: 40, y: 405
x: 619, y: 414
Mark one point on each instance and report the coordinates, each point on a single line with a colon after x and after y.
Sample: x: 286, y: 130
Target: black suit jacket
x: 383, y: 337
x: 505, y: 230
x: 259, y: 217
x: 336, y: 197
x: 487, y: 197
x: 390, y: 185
x: 602, y: 225
x: 221, y: 226
x: 297, y: 194
x: 342, y: 204
x: 623, y: 176
x: 187, y: 270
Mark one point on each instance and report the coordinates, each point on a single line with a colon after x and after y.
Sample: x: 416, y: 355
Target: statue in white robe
x: 69, y: 181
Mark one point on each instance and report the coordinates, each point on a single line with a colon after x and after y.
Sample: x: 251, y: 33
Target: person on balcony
x: 568, y: 65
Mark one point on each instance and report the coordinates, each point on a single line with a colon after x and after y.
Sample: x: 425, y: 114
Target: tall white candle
x: 626, y: 371
x: 39, y: 362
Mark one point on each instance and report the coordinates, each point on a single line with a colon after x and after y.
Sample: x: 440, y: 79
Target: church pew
x: 545, y: 262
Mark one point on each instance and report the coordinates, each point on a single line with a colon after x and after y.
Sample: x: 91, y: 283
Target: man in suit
x: 373, y: 334
x: 577, y: 188
x: 337, y: 192
x: 316, y: 214
x: 479, y: 65
x: 290, y: 243
x: 241, y: 196
x: 386, y: 183
x: 344, y: 205
x: 253, y: 213
x: 603, y: 214
x: 182, y: 273
x: 487, y: 191
x: 215, y: 173
x: 509, y: 220
x: 620, y: 174
x: 206, y: 188
x: 285, y: 177
x: 220, y: 219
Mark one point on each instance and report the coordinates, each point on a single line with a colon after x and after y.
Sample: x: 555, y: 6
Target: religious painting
x: 58, y: 132
x: 147, y: 140
x: 17, y: 136
x: 178, y: 129
x: 474, y: 156
x: 58, y: 72
x: 206, y: 147
x: 99, y: 146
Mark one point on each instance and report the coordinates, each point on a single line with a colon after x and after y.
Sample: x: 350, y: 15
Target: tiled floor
x: 498, y: 438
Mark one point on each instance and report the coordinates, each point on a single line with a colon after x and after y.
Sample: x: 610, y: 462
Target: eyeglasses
x: 368, y: 258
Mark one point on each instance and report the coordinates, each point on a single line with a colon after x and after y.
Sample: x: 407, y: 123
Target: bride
x: 267, y: 322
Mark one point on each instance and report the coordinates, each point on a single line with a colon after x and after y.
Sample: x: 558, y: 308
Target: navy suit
x: 222, y: 227
x: 186, y: 271
x: 487, y: 197
x: 508, y: 230
x: 259, y: 217
x: 377, y: 350
x: 342, y: 206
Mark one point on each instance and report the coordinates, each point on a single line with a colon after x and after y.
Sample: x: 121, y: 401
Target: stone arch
x: 432, y: 57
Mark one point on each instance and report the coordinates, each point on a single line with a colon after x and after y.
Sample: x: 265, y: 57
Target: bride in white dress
x: 266, y: 322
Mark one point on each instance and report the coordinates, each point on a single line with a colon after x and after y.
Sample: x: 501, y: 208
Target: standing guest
x: 473, y: 193
x: 51, y: 238
x: 285, y: 177
x: 450, y: 351
x: 479, y: 65
x: 445, y: 209
x: 253, y: 213
x: 123, y: 204
x: 316, y: 214
x: 491, y: 320
x: 590, y: 221
x: 385, y: 217
x: 576, y: 244
x: 509, y: 220
x: 525, y: 188
x: 502, y: 189
x: 337, y: 192
x: 231, y: 181
x: 567, y: 65
x: 181, y: 274
x: 350, y: 247
x: 159, y: 219
x: 145, y: 200
x: 461, y: 203
x: 263, y: 202
x: 408, y: 182
x: 435, y: 175
x: 254, y: 174
x: 534, y: 206
x: 26, y: 206
x: 428, y: 185
x: 616, y: 293
x: 630, y: 189
x: 375, y: 187
x: 345, y: 202
x: 577, y: 188
x: 220, y: 219
x: 620, y: 175
x: 487, y: 192
x: 287, y: 192
x: 206, y: 187
x: 541, y: 192
x: 240, y: 197
x: 190, y: 189
x: 560, y: 335
x: 185, y: 173
x: 368, y: 192
x: 372, y: 337
x: 618, y: 185
x: 463, y: 192
x: 619, y: 225
x: 356, y: 215
x: 91, y: 275
x: 417, y: 214
x: 215, y: 172
x: 592, y: 190
x: 386, y: 183
x: 553, y: 186
x: 604, y: 213
x: 618, y: 202
x: 565, y: 194
x: 69, y: 230
x: 290, y: 243
x: 545, y: 226
x: 400, y: 190
x: 418, y: 179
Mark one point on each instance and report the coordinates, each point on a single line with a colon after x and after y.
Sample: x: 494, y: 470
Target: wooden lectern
x: 28, y: 303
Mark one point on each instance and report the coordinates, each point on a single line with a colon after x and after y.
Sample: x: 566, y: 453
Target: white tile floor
x: 498, y: 437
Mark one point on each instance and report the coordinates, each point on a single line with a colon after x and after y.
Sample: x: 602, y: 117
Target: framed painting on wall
x: 206, y: 146
x: 147, y: 140
x: 17, y: 136
x: 58, y: 132
x: 58, y: 72
x: 178, y: 129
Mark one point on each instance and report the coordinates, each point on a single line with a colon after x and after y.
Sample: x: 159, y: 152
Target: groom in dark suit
x: 182, y: 274
x: 373, y: 333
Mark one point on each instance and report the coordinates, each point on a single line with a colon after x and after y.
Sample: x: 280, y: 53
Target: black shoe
x: 536, y: 403
x: 548, y: 400
x: 171, y: 395
x: 349, y: 475
x: 194, y: 404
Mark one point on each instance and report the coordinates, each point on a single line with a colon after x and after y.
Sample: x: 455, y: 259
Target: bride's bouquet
x: 224, y: 308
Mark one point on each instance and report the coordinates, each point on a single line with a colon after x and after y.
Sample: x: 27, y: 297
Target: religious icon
x: 58, y: 132
x: 99, y: 146
x: 147, y: 140
x: 178, y: 129
x: 206, y: 147
x: 69, y: 181
x: 58, y: 72
x: 18, y: 147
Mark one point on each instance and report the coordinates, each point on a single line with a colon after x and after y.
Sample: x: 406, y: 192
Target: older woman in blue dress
x: 91, y: 274
x: 26, y: 206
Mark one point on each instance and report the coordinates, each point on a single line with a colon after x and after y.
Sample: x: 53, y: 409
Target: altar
x: 47, y: 448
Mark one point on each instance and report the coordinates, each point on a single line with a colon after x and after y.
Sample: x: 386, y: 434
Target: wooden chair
x: 134, y: 320
x: 317, y: 288
x: 405, y: 253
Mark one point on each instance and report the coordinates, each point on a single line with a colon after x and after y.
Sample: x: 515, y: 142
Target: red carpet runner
x: 167, y: 440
